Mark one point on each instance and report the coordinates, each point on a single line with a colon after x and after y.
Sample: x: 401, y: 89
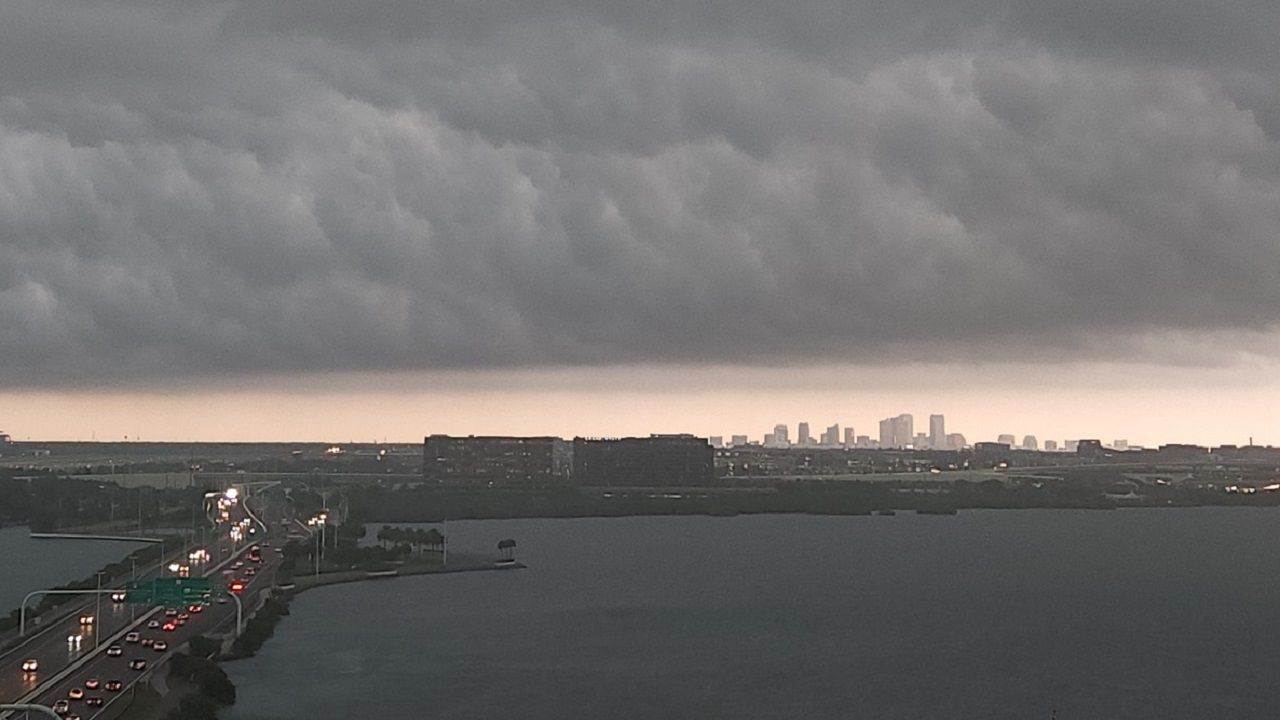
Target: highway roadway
x: 49, y: 646
x: 214, y: 618
x: 57, y: 656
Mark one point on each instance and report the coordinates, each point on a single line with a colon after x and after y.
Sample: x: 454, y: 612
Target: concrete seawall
x: 306, y: 582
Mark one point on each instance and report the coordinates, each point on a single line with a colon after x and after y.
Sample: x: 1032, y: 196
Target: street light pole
x: 97, y: 614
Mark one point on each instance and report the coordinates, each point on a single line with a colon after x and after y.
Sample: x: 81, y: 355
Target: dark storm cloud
x: 194, y: 189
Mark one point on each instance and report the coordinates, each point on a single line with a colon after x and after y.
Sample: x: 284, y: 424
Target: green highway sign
x: 171, y: 591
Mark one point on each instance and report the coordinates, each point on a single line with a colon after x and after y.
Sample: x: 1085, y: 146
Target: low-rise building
x: 655, y: 461
x: 497, y: 461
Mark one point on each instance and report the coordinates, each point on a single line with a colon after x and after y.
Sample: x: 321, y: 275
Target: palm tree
x: 507, y: 548
x: 435, y: 540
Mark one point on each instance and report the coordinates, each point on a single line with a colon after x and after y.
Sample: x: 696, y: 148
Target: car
x: 86, y: 619
x: 74, y: 639
x: 132, y: 637
x: 30, y: 665
x: 160, y: 646
x: 222, y: 600
x: 71, y: 716
x: 92, y: 684
x: 113, y: 686
x: 238, y: 564
x: 169, y: 627
x: 93, y: 701
x: 171, y: 612
x: 250, y: 572
x: 119, y: 597
x: 180, y: 622
x: 195, y: 609
x: 147, y: 642
x: 115, y: 651
x: 184, y: 616
x: 75, y: 693
x: 153, y: 624
x: 62, y: 707
x: 137, y: 664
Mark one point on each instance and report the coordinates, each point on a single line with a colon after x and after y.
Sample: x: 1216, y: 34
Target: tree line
x: 415, y: 538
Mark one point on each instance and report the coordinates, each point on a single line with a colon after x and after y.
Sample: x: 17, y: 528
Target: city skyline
x: 1183, y: 407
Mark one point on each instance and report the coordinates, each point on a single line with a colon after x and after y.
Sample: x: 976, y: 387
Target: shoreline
x: 308, y: 582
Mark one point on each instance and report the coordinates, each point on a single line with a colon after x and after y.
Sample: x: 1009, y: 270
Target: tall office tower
x: 886, y: 432
x: 780, y: 436
x: 831, y: 437
x: 717, y: 441
x: 938, y: 432
x: 920, y: 442
x: 955, y: 441
x: 739, y: 440
x: 1029, y: 443
x: 849, y: 438
x: 770, y: 440
x: 1009, y: 440
x: 1050, y: 445
x: 802, y: 435
x: 864, y: 441
x: 904, y: 430
x: 1072, y: 445
x: 1120, y: 444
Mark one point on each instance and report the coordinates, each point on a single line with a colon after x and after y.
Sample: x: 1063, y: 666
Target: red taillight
x: 237, y: 587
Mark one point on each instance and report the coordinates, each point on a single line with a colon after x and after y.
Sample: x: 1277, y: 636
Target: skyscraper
x: 886, y: 432
x: 849, y: 438
x: 1029, y: 443
x: 831, y: 437
x: 898, y: 431
x: 780, y: 436
x: 904, y: 430
x: 937, y: 432
x: 1007, y: 439
x: 802, y: 435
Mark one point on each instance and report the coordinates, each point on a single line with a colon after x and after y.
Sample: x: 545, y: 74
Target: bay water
x: 1171, y: 613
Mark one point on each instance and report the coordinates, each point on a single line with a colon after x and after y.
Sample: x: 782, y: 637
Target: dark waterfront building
x: 655, y: 461
x: 496, y: 461
x: 1090, y: 448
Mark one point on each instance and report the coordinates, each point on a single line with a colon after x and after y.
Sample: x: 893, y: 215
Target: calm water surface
x: 27, y: 564
x: 988, y: 614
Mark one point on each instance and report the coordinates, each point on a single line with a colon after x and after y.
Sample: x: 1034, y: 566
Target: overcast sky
x: 240, y: 197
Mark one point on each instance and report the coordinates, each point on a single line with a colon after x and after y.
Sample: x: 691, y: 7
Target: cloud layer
x: 219, y: 189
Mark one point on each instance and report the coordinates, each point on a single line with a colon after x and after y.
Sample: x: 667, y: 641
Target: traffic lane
x: 67, y: 625
x: 210, y: 619
x: 104, y: 667
x: 52, y: 650
x: 54, y: 654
